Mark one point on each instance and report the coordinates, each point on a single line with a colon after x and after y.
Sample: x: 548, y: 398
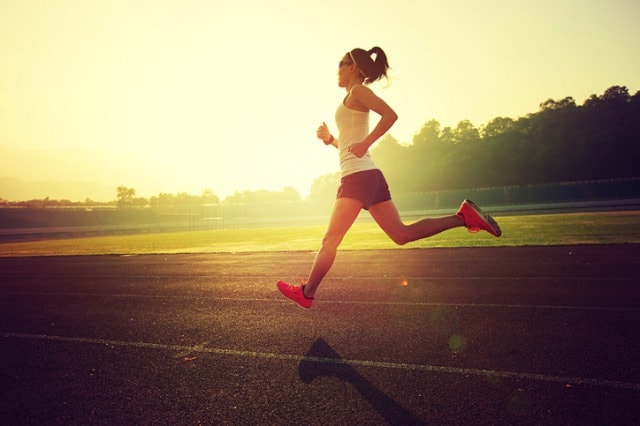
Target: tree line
x: 126, y: 197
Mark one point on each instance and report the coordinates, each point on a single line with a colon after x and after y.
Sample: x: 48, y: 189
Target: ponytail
x: 372, y: 70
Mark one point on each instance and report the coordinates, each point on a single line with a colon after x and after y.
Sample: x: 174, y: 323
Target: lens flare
x: 457, y: 343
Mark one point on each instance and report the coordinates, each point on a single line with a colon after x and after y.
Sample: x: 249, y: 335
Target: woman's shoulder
x: 361, y: 98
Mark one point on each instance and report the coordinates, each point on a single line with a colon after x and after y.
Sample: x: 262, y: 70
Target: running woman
x: 363, y: 185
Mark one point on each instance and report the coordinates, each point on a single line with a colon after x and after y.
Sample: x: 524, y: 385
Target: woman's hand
x: 359, y: 149
x: 323, y: 133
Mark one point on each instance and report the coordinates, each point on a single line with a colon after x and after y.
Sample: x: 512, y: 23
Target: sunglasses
x: 342, y: 63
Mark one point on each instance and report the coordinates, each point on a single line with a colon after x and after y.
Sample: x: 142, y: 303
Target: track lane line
x: 351, y: 362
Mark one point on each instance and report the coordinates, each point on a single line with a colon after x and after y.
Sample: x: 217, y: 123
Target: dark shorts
x: 369, y: 187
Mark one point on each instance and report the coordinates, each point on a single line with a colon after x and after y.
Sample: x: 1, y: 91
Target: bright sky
x: 182, y: 95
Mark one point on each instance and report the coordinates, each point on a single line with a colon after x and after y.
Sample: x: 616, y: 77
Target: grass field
x: 556, y: 229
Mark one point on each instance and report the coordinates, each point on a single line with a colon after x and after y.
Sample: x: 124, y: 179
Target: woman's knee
x: 400, y: 237
x: 398, y: 233
x: 331, y: 240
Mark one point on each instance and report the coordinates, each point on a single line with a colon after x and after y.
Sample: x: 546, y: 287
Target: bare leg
x: 387, y: 217
x: 345, y: 212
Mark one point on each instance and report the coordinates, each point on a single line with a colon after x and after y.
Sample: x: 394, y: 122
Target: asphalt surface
x: 532, y: 335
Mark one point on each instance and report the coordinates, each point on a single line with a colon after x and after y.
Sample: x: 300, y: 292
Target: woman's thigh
x: 387, y: 217
x: 345, y: 211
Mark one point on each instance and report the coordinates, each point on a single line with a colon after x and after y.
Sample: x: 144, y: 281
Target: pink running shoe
x: 475, y: 219
x: 295, y: 293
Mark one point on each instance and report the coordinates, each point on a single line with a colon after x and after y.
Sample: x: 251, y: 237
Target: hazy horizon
x: 185, y: 95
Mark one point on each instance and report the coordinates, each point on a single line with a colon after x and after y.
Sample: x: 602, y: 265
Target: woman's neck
x: 353, y: 82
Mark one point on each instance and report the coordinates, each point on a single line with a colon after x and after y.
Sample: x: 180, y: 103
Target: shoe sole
x: 486, y: 218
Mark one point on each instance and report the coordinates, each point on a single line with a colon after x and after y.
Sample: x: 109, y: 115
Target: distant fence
x: 17, y: 223
x: 526, y: 195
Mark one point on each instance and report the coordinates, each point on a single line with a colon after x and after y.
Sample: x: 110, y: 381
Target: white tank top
x: 353, y: 126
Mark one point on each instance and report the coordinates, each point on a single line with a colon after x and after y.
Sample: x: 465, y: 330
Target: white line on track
x: 340, y: 361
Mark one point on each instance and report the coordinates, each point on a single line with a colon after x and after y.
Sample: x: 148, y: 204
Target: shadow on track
x: 321, y: 360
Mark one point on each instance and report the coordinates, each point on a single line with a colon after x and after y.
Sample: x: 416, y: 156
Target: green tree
x: 125, y: 196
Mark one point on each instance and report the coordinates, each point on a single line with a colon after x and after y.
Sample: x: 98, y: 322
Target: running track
x: 532, y: 335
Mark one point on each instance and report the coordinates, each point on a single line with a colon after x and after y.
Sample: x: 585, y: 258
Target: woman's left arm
x: 367, y: 99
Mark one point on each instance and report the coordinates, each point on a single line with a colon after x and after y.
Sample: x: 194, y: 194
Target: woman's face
x: 346, y: 68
